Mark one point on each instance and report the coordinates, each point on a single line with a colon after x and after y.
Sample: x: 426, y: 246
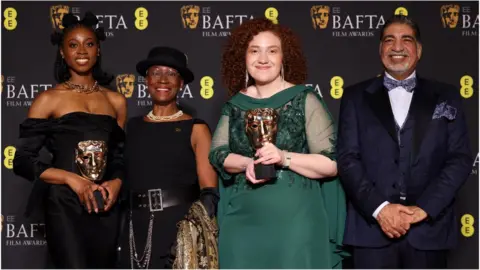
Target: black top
x: 160, y: 154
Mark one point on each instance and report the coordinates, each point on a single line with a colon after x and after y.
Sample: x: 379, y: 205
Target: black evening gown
x: 158, y: 155
x: 75, y: 238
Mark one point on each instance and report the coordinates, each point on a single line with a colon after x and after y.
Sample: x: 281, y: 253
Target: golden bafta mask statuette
x: 261, y: 127
x: 91, y: 160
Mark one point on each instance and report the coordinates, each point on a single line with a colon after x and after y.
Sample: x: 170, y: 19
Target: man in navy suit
x: 403, y: 153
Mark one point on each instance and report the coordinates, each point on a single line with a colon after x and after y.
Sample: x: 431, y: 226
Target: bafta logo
x: 320, y: 14
x: 1, y: 86
x: 450, y: 15
x: 125, y: 84
x: 190, y: 15
x: 56, y: 15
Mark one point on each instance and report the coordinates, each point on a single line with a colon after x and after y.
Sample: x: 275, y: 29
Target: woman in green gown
x: 295, y: 220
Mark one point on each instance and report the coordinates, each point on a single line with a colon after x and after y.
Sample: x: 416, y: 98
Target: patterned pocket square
x: 444, y: 110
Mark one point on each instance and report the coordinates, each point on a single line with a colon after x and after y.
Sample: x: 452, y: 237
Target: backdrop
x: 340, y: 39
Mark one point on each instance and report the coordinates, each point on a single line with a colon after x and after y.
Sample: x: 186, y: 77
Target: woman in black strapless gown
x: 79, y: 233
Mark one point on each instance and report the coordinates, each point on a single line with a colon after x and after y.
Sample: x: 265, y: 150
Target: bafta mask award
x: 91, y: 159
x: 261, y: 127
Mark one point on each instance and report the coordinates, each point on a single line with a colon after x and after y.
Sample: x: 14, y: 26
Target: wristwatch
x: 286, y: 159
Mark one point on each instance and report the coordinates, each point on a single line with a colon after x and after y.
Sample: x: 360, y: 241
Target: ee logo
x: 271, y: 13
x: 337, y: 87
x: 206, y: 83
x: 401, y: 11
x: 141, y: 22
x: 467, y: 229
x: 466, y: 82
x: 9, y: 154
x: 10, y: 15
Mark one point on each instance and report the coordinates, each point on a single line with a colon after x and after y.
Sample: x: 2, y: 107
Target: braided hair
x: 71, y: 22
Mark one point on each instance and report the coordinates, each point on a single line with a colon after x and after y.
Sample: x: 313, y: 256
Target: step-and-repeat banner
x: 340, y: 39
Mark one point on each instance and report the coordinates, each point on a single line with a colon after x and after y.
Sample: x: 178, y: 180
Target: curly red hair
x: 233, y: 58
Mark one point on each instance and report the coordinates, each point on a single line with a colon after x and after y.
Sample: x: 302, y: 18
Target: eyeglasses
x: 158, y: 74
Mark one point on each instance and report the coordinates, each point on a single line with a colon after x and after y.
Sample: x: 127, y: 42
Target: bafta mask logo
x: 91, y: 159
x: 190, y: 14
x: 1, y: 85
x: 56, y: 15
x: 450, y: 14
x: 320, y: 14
x: 125, y: 84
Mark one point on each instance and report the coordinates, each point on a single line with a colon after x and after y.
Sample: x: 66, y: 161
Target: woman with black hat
x: 167, y: 167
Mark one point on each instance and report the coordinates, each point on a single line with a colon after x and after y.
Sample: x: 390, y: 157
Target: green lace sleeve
x: 220, y: 144
x: 321, y: 138
x: 319, y: 126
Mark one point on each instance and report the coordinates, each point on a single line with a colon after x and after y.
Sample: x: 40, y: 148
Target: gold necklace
x: 153, y: 117
x: 79, y: 88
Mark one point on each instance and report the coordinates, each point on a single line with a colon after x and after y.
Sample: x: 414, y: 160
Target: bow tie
x: 408, y: 84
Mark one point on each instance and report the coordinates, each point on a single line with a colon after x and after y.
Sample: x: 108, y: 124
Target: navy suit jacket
x: 367, y: 161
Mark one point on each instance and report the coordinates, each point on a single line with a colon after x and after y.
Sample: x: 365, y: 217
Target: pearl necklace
x: 82, y: 88
x: 153, y: 117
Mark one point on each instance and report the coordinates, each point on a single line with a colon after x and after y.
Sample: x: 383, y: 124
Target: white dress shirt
x: 400, y: 101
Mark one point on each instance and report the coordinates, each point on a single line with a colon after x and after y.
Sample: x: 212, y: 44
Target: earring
x: 246, y: 79
x: 282, y: 74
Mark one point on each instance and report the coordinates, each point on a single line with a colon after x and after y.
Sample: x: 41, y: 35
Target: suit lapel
x: 421, y: 109
x: 377, y: 97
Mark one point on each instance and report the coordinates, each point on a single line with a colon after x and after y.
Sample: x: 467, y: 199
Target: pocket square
x: 444, y: 110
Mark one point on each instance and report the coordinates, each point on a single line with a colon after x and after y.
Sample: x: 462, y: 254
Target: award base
x: 265, y: 171
x: 99, y: 199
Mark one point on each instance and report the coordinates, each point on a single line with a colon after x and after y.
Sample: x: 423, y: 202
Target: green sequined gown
x: 289, y: 222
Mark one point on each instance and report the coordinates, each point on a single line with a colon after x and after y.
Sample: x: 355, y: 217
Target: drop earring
x: 177, y: 99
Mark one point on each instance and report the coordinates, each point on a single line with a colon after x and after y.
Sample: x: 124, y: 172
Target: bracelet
x: 286, y: 159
